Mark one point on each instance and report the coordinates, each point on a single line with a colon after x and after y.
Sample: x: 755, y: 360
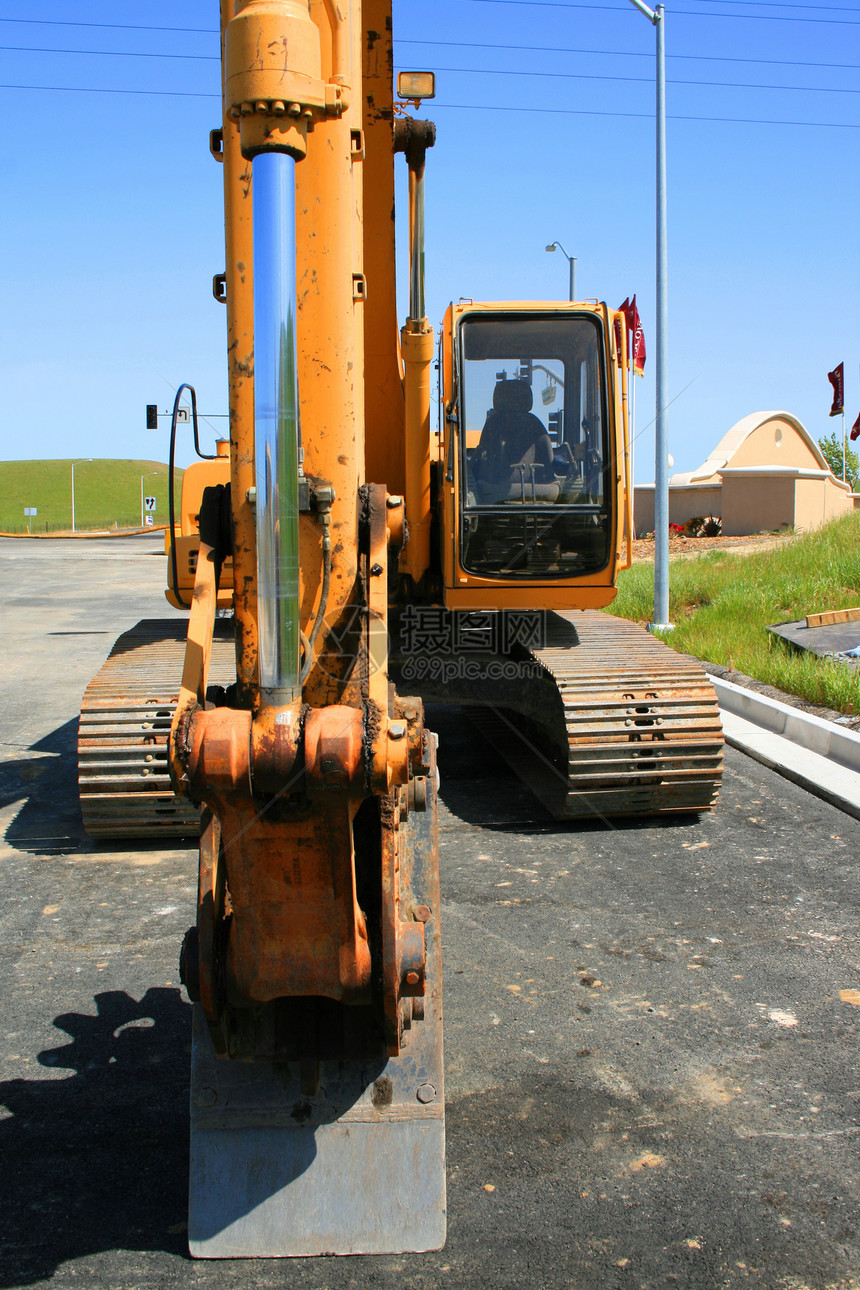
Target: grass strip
x: 721, y: 605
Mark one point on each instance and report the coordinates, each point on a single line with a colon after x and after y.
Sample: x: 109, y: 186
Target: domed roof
x: 730, y: 444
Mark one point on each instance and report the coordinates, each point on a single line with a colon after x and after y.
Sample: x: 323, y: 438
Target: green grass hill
x: 107, y: 494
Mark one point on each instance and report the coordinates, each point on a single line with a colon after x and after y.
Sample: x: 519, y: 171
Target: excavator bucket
x: 356, y: 1168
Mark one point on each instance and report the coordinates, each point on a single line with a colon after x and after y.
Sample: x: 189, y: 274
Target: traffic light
x: 152, y: 416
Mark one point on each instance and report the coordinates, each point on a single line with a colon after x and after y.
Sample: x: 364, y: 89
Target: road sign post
x: 145, y: 501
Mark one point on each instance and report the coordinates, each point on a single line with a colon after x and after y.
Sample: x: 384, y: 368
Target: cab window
x: 533, y: 446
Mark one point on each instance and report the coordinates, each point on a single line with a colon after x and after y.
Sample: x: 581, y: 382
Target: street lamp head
x: 553, y: 247
x: 653, y: 15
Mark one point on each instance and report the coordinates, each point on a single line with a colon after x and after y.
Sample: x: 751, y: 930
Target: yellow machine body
x: 317, y: 1121
x: 186, y: 534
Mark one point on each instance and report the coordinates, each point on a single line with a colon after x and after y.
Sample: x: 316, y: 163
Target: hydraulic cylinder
x: 276, y: 426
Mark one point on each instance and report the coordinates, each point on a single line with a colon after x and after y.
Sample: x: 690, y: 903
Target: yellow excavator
x: 343, y: 559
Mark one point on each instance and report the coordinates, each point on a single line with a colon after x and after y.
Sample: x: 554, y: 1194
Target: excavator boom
x: 315, y: 960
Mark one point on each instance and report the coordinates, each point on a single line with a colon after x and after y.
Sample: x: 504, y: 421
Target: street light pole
x: 142, y: 478
x: 571, y: 260
x: 661, y: 449
x: 76, y: 463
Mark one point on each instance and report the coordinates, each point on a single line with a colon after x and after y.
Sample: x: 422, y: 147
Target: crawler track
x: 634, y: 730
x: 125, y: 721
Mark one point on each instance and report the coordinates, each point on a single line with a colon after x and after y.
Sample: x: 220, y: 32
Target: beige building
x: 765, y: 473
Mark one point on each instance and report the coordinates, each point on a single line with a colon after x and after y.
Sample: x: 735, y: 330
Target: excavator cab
x: 532, y: 454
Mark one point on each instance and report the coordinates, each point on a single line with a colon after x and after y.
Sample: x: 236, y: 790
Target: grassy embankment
x: 721, y: 604
x: 107, y: 494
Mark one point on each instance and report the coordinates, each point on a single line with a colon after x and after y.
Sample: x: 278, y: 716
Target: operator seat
x: 513, y: 460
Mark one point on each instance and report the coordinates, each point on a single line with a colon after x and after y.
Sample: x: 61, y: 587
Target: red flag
x: 635, y: 335
x: 628, y: 320
x: 638, y: 341
x: 855, y: 429
x: 837, y: 380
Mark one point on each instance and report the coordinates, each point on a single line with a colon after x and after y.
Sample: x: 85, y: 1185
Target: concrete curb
x: 89, y: 533
x: 802, y: 728
x: 808, y: 750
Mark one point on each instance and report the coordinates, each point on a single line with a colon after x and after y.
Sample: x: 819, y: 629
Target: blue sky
x: 111, y: 222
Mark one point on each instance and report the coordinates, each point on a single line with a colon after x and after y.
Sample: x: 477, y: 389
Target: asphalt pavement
x: 651, y: 1028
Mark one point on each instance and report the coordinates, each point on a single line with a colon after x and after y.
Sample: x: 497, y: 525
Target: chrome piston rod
x: 276, y: 426
x: 416, y: 241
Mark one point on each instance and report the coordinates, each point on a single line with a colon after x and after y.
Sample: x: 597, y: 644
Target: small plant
x: 704, y: 526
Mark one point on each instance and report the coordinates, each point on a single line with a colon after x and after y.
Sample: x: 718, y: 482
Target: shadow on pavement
x: 478, y: 787
x: 99, y: 1161
x: 49, y: 821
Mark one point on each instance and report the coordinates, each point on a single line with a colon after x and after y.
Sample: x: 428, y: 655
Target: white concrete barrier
x: 812, y: 733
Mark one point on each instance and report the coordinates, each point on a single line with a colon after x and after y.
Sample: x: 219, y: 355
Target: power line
x: 108, y: 53
x: 528, y: 4
x: 647, y: 80
x: 538, y: 49
x: 641, y: 116
x: 471, y: 71
x: 771, y: 17
x: 644, y: 116
x: 623, y: 53
x: 687, y: 13
x: 780, y: 4
x: 463, y: 107
x: 91, y: 89
x: 111, y: 26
